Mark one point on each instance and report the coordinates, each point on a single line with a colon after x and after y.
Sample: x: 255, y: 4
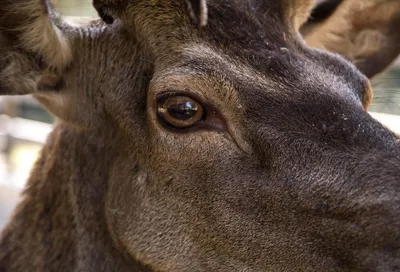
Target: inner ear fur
x: 367, y: 32
x: 30, y: 43
x: 36, y: 46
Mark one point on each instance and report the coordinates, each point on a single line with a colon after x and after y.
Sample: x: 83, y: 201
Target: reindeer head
x: 238, y: 147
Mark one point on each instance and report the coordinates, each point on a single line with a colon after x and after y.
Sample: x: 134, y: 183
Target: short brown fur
x: 285, y: 172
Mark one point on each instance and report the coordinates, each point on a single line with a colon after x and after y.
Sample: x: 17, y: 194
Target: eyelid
x: 186, y: 92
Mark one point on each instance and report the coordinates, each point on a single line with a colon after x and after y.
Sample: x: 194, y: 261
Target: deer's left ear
x: 365, y: 32
x: 35, y: 47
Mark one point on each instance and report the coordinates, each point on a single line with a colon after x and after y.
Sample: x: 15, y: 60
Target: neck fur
x: 60, y: 224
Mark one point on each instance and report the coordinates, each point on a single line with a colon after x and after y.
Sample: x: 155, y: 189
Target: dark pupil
x: 182, y: 111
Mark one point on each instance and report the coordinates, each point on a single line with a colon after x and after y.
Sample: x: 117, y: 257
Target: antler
x: 198, y: 11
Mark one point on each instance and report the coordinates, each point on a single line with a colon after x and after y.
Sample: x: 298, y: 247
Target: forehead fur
x: 251, y: 22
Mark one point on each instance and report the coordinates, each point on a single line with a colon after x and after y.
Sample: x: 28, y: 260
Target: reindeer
x: 196, y: 136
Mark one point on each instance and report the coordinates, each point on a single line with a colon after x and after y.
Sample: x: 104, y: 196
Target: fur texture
x: 286, y: 171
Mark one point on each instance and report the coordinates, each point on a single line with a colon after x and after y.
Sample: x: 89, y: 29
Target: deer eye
x: 180, y: 111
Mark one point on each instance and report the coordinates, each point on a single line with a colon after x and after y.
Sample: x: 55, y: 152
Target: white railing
x: 389, y: 120
x: 24, y: 130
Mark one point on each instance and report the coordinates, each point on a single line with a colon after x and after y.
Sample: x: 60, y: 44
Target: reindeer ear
x: 365, y: 32
x: 33, y: 49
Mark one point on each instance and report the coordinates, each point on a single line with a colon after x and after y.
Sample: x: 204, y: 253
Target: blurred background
x: 24, y: 124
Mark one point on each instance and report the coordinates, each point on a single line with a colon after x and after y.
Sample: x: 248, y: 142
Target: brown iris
x: 180, y: 111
